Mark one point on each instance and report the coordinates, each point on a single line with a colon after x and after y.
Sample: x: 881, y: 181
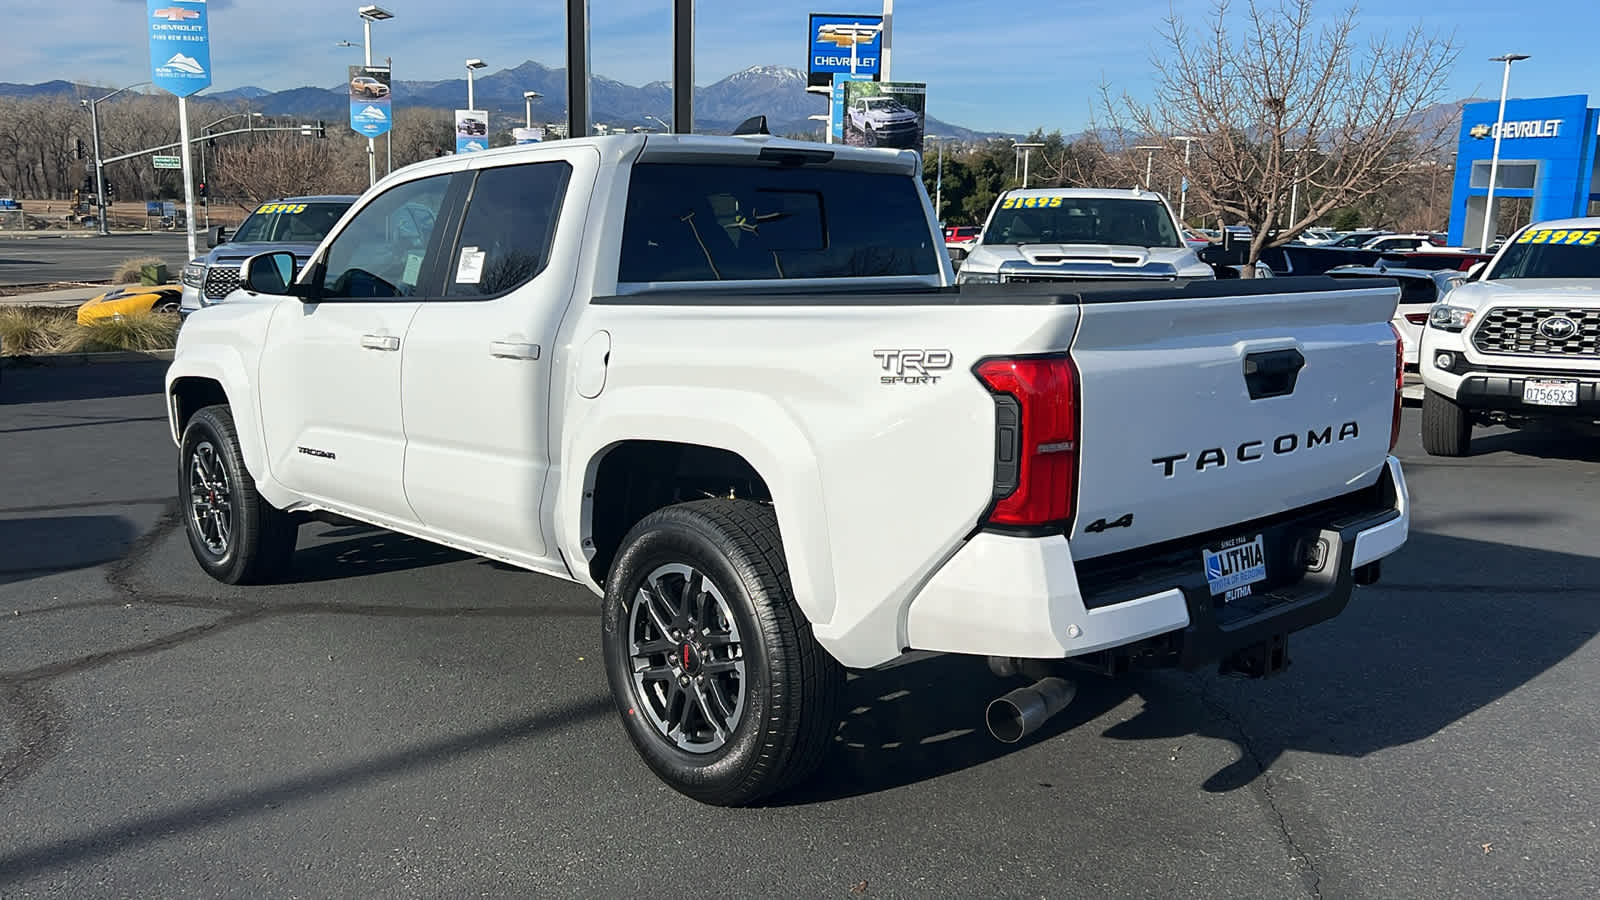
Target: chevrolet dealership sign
x: 1533, y: 128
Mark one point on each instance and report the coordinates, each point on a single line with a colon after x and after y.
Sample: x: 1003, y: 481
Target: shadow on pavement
x: 18, y: 863
x: 34, y: 547
x: 373, y: 552
x: 1543, y: 440
x: 57, y: 384
x: 1433, y: 643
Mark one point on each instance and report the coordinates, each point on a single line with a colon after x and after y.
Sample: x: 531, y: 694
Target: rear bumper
x: 1026, y: 598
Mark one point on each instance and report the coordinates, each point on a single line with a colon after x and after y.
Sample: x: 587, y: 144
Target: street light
x: 527, y: 99
x: 370, y: 14
x: 1294, y: 185
x: 938, y: 180
x: 1494, y: 160
x: 669, y: 127
x: 1183, y: 195
x: 472, y: 66
x: 99, y: 170
x: 1149, y: 161
x: 1027, y: 157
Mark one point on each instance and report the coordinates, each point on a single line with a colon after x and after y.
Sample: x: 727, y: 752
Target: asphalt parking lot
x: 404, y: 720
x: 49, y: 258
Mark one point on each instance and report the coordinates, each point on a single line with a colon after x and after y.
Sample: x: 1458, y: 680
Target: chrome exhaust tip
x: 1020, y: 713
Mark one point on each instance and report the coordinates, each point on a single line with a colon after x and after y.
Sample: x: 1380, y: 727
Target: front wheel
x: 719, y: 683
x: 1446, y: 427
x: 236, y: 535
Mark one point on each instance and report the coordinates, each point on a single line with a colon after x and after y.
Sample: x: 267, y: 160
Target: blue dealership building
x: 1547, y: 153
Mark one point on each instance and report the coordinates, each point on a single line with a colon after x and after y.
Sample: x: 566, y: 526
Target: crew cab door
x: 330, y: 367
x: 476, y: 373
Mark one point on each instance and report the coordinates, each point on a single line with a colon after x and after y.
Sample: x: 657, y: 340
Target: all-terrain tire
x: 1446, y: 427
x: 791, y: 686
x: 256, y: 541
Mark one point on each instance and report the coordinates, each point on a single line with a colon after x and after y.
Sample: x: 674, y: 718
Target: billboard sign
x: 885, y: 113
x: 836, y: 103
x: 180, y: 46
x: 527, y: 135
x: 472, y: 130
x: 370, y: 108
x: 838, y: 43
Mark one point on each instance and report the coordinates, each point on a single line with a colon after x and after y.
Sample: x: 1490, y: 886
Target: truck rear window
x: 692, y: 222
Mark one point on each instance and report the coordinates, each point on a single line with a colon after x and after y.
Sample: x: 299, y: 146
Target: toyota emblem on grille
x: 1558, y: 328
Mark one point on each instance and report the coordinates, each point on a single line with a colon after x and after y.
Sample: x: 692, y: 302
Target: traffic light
x: 80, y: 148
x: 202, y: 187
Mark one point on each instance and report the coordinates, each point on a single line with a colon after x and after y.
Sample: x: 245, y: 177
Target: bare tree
x: 1287, y: 104
x: 286, y: 165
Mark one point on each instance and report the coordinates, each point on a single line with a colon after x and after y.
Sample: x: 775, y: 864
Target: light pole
x: 1027, y: 157
x: 938, y: 178
x: 472, y: 66
x: 99, y: 168
x: 659, y: 122
x: 1294, y: 185
x: 527, y: 100
x: 1149, y: 161
x: 1183, y: 195
x: 370, y: 14
x: 1494, y: 160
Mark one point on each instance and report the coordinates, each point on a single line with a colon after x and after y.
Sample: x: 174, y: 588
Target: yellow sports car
x: 131, y: 301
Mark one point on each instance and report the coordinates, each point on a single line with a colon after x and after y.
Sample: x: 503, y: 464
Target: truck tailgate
x: 1205, y: 412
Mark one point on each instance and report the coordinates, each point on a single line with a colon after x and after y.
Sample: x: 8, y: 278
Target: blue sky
x: 1007, y: 66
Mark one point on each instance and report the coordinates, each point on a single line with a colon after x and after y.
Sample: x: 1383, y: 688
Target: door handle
x: 513, y: 350
x: 380, y: 342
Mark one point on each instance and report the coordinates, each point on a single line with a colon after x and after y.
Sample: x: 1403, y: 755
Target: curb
x: 69, y: 360
x: 44, y: 234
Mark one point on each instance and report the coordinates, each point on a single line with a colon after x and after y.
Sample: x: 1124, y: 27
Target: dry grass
x: 128, y: 271
x: 34, y: 331
x: 151, y: 331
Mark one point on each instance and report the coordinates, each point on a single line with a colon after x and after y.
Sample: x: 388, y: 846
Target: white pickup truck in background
x: 1519, y: 342
x: 728, y: 385
x: 1081, y: 234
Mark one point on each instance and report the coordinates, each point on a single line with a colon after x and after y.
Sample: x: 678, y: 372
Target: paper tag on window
x: 470, y: 268
x: 413, y: 269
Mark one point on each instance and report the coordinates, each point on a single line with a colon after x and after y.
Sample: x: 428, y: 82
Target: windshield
x: 1551, y: 253
x: 1082, y: 220
x: 306, y: 223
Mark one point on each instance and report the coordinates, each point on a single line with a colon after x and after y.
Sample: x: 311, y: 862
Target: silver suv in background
x: 296, y: 224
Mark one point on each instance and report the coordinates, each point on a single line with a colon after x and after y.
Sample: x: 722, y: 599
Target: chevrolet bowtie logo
x: 1480, y: 131
x: 175, y: 14
x: 846, y: 35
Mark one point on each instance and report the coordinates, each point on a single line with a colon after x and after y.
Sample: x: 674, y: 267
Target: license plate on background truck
x: 1550, y: 393
x: 1238, y: 564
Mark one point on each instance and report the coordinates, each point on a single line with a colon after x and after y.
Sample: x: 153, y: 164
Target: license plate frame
x: 1237, y: 563
x: 1549, y: 392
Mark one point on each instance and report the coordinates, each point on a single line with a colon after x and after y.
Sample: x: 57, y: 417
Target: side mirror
x: 216, y: 234
x: 1476, y: 272
x: 268, y: 273
x: 1219, y: 255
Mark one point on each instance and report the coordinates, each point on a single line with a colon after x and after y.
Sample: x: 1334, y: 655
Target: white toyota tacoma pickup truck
x: 728, y: 384
x: 1081, y: 234
x: 1520, y: 341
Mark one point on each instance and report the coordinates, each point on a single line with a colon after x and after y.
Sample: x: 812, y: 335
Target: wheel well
x: 636, y: 478
x: 190, y: 395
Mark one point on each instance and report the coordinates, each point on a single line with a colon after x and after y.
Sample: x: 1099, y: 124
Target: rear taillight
x: 1420, y: 318
x: 1399, y: 385
x: 1036, y: 440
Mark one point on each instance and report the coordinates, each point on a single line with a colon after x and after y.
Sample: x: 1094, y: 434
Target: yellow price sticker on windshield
x: 289, y: 208
x: 1031, y: 203
x: 1580, y: 237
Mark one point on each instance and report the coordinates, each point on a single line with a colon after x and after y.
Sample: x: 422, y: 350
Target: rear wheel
x: 236, y: 535
x: 719, y: 683
x: 1446, y: 427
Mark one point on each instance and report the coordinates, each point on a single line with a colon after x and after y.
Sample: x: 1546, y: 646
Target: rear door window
x: 509, y: 225
x: 694, y: 222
